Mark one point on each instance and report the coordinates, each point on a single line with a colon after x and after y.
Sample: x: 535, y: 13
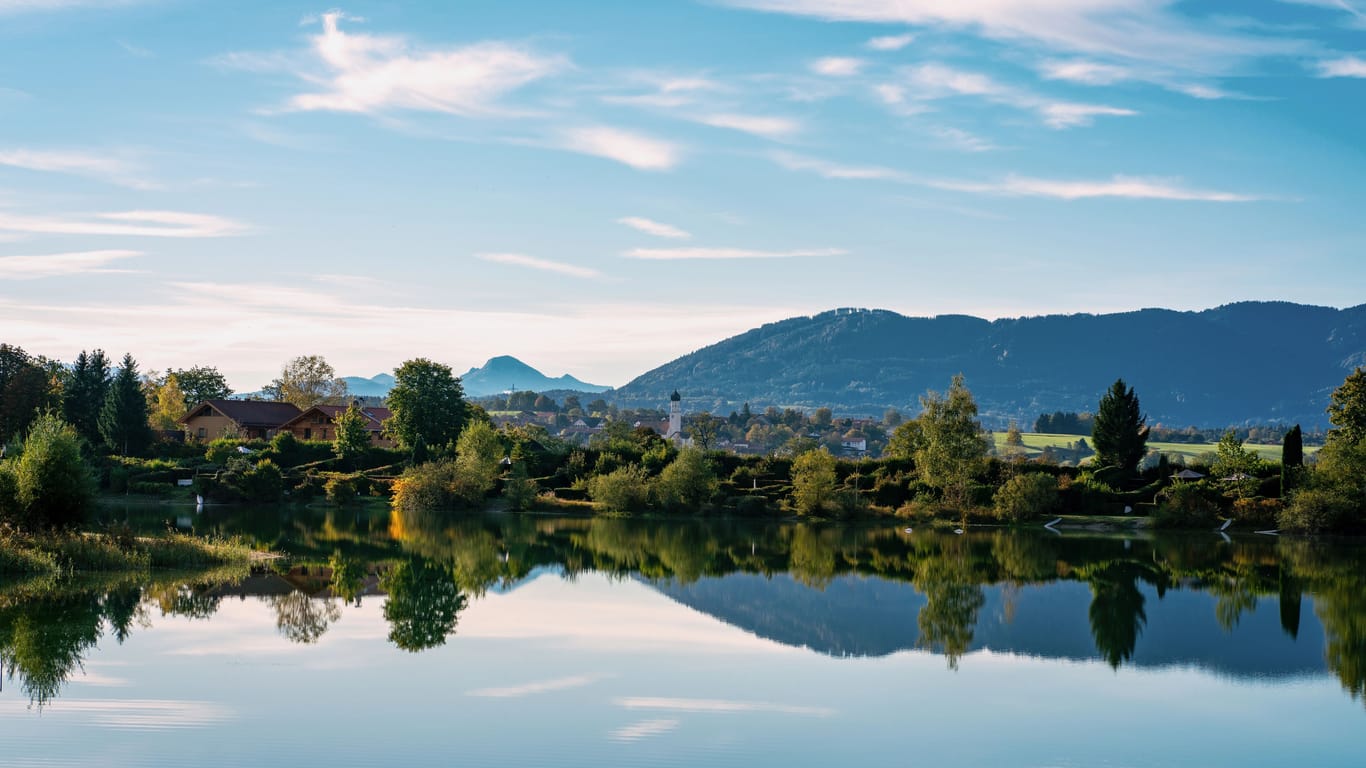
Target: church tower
x: 675, y: 416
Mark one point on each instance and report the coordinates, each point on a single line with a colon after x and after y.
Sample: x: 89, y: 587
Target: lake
x: 563, y: 641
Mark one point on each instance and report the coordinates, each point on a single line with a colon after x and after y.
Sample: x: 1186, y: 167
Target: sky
x: 599, y: 187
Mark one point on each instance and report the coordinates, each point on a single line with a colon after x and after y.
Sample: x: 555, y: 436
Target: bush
x: 222, y: 449
x: 1186, y: 505
x: 1257, y: 513
x: 263, y: 483
x: 1026, y: 497
x: 341, y: 489
x: 626, y: 489
x: 53, y: 485
x: 427, y: 486
x: 1312, y: 510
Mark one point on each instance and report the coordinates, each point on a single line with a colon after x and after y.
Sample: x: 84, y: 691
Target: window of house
x: 201, y: 432
x: 308, y: 433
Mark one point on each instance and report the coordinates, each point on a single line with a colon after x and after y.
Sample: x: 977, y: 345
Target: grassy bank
x: 62, y: 553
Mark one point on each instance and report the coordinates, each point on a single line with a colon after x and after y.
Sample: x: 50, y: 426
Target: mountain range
x: 1250, y: 362
x: 499, y: 374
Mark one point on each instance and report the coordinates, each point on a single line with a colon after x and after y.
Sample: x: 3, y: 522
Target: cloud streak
x: 724, y: 254
x: 933, y: 81
x: 641, y: 152
x: 726, y: 706
x: 652, y: 227
x: 103, y: 167
x: 174, y: 224
x: 838, y: 66
x: 1347, y: 66
x: 529, y: 689
x: 544, y: 265
x: 61, y: 264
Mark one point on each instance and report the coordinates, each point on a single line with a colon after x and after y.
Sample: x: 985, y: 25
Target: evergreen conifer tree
x: 83, y: 397
x: 123, y: 419
x: 1119, y: 433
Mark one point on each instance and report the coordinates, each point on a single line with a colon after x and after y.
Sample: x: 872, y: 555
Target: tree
x: 352, y: 439
x: 84, y: 393
x: 624, y: 489
x: 1236, y: 463
x: 165, y: 402
x: 123, y: 419
x: 478, y: 457
x: 813, y: 481
x: 202, y: 383
x: 53, y: 483
x: 951, y: 448
x: 687, y: 482
x: 1347, y: 410
x: 23, y: 390
x: 1292, y: 458
x: 1026, y: 496
x: 1119, y: 433
x: 307, y: 381
x: 822, y: 418
x: 703, y: 429
x: 428, y: 403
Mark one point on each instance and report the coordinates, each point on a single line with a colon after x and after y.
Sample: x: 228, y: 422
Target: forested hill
x: 1246, y: 362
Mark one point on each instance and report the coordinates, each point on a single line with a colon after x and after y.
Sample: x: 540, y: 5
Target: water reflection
x: 840, y: 591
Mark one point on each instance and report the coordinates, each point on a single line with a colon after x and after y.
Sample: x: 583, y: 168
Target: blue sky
x: 598, y: 187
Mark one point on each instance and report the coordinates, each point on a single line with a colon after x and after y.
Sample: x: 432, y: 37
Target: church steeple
x: 675, y: 416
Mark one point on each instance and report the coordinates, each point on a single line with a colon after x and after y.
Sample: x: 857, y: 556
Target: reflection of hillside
x: 860, y: 616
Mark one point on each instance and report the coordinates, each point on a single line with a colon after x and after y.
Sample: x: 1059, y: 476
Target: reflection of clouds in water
x: 542, y: 686
x: 718, y: 705
x: 643, y: 729
x: 92, y: 677
x: 141, y: 714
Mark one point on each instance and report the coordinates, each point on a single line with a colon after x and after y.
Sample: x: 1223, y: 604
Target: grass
x: 62, y: 553
x: 1036, y: 442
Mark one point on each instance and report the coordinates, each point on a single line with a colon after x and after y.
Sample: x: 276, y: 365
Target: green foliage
x: 813, y: 482
x: 53, y: 485
x: 478, y: 454
x: 340, y: 489
x: 424, y: 604
x: 950, y: 447
x: 428, y: 405
x: 1347, y: 410
x: 1236, y: 466
x: 1187, y: 505
x: 520, y: 490
x: 352, y: 438
x: 1292, y: 459
x: 123, y: 417
x: 201, y: 383
x: 427, y: 486
x: 687, y: 483
x: 625, y: 489
x: 1315, y: 510
x: 84, y: 392
x: 1119, y: 433
x: 1026, y: 496
x: 23, y: 391
x: 262, y: 483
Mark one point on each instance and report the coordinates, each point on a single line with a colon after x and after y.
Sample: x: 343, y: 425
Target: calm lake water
x: 517, y: 640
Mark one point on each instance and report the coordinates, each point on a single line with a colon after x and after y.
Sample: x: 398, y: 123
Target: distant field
x: 1035, y: 442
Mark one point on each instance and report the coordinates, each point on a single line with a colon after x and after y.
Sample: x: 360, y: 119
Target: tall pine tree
x: 84, y: 393
x: 1292, y: 458
x: 123, y: 419
x: 1119, y: 433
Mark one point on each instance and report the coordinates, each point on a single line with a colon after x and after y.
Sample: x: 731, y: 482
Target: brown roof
x: 248, y: 413
x: 374, y: 417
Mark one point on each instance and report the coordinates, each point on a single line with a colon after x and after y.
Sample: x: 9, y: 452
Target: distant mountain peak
x: 505, y: 372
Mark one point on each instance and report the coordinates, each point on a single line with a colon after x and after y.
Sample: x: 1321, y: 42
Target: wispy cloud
x: 719, y: 705
x: 1133, y: 30
x: 61, y: 264
x: 889, y: 42
x: 1131, y: 187
x: 176, y: 224
x: 934, y: 80
x: 757, y: 125
x: 1347, y: 66
x: 963, y: 140
x: 643, y: 729
x: 101, y: 166
x: 377, y: 73
x: 540, y: 686
x: 545, y: 265
x: 1118, y: 186
x: 652, y: 227
x: 718, y: 254
x: 23, y: 6
x: 641, y: 152
x: 1087, y: 72
x: 838, y: 66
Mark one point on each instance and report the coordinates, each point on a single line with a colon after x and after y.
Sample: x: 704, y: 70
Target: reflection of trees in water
x: 812, y: 559
x: 122, y: 609
x: 1116, y: 612
x: 953, y: 598
x: 303, y: 619
x: 44, y: 640
x: 423, y: 606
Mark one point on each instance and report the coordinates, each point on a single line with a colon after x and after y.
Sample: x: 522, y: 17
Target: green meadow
x: 1036, y: 442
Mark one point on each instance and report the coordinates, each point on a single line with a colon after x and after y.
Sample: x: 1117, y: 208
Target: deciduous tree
x: 23, y: 391
x: 813, y: 481
x: 1347, y: 410
x: 352, y: 439
x: 428, y: 403
x: 307, y: 381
